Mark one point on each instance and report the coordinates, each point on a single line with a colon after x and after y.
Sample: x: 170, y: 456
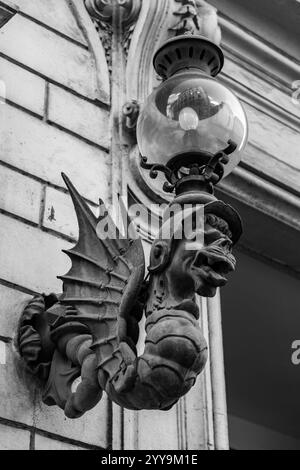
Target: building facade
x: 67, y: 68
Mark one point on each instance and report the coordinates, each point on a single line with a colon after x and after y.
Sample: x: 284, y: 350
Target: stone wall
x: 53, y: 121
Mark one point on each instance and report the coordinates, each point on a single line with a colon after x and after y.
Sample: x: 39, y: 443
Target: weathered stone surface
x: 259, y: 88
x: 49, y: 54
x: 195, y: 417
x: 139, y: 433
x: 11, y: 307
x: 271, y: 166
x: 83, y: 118
x: 30, y: 257
x: 273, y: 137
x: 44, y: 151
x: 90, y: 429
x: 60, y: 213
x: 16, y: 389
x: 45, y: 443
x: 20, y: 195
x: 14, y: 438
x: 2, y: 352
x: 22, y: 87
x: 53, y: 13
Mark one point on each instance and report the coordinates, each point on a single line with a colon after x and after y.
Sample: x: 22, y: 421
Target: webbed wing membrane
x: 106, y: 274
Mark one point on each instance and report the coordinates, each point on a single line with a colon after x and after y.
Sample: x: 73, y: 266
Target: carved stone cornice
x: 262, y: 203
x: 102, y: 10
x: 263, y: 196
x: 258, y: 55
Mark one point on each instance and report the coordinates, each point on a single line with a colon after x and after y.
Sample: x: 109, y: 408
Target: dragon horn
x: 81, y: 207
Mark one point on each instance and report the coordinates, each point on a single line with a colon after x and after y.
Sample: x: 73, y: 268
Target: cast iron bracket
x: 211, y: 173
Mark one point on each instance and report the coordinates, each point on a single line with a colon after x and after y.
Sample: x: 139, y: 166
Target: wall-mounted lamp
x: 192, y: 127
x: 193, y: 130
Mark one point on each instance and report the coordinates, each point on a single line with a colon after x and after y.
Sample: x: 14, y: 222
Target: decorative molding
x: 102, y: 10
x: 36, y: 352
x: 264, y: 204
x: 263, y: 103
x: 105, y: 33
x: 197, y: 17
x: 86, y: 25
x: 258, y: 55
x: 127, y: 37
x: 278, y: 172
x: 150, y: 31
x: 263, y: 196
x: 217, y: 369
x: 102, y: 14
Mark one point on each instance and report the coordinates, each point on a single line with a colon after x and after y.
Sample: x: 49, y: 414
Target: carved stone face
x: 203, y: 270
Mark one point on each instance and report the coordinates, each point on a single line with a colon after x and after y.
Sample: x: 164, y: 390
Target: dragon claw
x: 125, y: 381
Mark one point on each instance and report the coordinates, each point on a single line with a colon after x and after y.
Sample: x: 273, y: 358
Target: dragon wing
x: 106, y: 274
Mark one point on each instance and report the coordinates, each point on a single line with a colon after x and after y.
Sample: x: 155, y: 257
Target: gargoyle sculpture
x: 90, y: 332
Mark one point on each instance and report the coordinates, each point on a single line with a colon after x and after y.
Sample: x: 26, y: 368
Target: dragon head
x: 198, y: 264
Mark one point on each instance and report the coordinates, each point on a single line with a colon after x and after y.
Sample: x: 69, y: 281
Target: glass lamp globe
x: 191, y: 116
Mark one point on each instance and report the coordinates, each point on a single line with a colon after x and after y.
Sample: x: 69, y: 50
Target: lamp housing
x: 191, y: 117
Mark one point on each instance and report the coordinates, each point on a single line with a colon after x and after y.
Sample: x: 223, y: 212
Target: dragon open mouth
x: 211, y: 265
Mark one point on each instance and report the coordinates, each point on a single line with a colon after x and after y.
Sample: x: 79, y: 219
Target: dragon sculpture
x: 88, y: 335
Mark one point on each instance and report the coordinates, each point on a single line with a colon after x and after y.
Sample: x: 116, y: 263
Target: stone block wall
x: 53, y: 121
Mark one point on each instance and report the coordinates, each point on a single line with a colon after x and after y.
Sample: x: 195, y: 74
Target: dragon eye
x: 157, y: 252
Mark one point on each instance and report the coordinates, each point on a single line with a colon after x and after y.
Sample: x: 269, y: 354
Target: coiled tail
x: 175, y: 354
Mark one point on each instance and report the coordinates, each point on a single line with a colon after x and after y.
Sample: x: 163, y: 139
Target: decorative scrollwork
x: 103, y: 10
x: 212, y: 171
x: 34, y: 348
x: 153, y: 173
x: 197, y: 17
